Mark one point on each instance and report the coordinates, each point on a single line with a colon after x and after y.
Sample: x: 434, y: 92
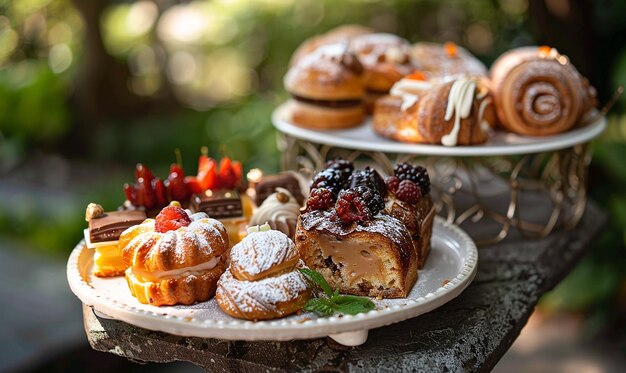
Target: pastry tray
x: 450, y: 268
x: 363, y: 137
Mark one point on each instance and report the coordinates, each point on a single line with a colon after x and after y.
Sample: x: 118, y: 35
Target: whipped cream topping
x: 409, y: 90
x: 279, y: 211
x: 460, y: 101
x: 176, y: 273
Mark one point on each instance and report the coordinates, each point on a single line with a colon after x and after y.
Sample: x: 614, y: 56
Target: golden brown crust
x: 384, y: 238
x: 331, y: 73
x: 436, y: 59
x: 418, y: 218
x: 539, y: 92
x: 177, y: 290
x: 338, y: 34
x: 269, y: 298
x: 391, y: 122
x: 385, y: 57
x: 425, y: 122
x: 324, y: 118
x: 261, y: 255
x: 144, y: 248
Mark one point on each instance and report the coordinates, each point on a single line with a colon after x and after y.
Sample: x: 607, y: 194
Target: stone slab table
x: 470, y: 333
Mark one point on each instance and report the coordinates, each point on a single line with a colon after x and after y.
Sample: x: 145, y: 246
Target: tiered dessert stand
x: 491, y: 190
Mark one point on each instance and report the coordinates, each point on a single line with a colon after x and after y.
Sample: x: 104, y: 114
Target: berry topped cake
x: 409, y: 201
x: 348, y: 234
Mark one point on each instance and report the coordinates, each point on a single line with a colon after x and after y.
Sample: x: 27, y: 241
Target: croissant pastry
x: 262, y: 281
x: 456, y: 112
x: 538, y: 92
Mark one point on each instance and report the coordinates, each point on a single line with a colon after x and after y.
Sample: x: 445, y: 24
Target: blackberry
x: 334, y: 180
x: 409, y: 192
x: 371, y: 197
x: 370, y: 178
x: 320, y: 199
x: 340, y: 164
x: 417, y: 174
x: 351, y: 207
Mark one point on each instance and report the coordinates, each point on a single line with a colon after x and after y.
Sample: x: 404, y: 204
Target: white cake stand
x: 498, y: 184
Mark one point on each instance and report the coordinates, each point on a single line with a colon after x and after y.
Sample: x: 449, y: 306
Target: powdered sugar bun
x: 268, y: 298
x: 263, y: 254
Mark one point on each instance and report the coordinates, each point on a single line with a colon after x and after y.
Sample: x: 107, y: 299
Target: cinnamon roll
x: 538, y: 92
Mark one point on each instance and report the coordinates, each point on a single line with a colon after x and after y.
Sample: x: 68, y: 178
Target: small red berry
x: 408, y: 192
x: 170, y: 219
x: 319, y: 199
x: 351, y: 207
x: 392, y: 183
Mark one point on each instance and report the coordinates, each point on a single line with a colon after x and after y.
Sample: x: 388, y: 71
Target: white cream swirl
x: 280, y: 213
x: 409, y: 90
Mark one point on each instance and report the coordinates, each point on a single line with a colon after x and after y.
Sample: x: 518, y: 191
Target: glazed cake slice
x: 418, y: 219
x: 375, y: 258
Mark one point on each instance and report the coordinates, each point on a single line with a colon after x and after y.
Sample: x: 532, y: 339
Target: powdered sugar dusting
x: 199, y: 241
x: 261, y: 295
x: 260, y: 251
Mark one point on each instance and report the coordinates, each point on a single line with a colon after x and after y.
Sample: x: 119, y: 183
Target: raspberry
x: 373, y: 200
x: 170, y: 219
x: 392, y: 183
x: 408, y: 192
x: 320, y: 199
x: 351, y: 207
x: 370, y: 178
x: 416, y: 174
x: 341, y: 164
x: 334, y: 180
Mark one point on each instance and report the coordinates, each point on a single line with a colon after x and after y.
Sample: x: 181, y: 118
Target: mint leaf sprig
x: 332, y: 302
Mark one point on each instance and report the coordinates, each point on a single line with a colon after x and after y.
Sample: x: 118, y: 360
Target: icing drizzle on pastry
x: 409, y: 90
x: 460, y: 101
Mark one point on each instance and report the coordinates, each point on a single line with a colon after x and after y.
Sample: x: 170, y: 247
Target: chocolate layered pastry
x: 108, y: 226
x: 225, y: 206
x: 103, y: 234
x: 219, y: 204
x: 267, y: 185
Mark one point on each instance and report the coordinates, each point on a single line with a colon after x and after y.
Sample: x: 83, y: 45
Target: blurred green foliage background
x: 89, y: 88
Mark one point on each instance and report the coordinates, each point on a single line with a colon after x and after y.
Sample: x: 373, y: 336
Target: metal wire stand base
x: 494, y: 198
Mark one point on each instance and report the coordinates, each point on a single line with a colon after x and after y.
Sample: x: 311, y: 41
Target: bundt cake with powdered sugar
x: 176, y: 258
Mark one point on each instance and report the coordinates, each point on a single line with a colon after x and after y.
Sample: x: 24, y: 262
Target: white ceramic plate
x: 501, y: 143
x: 450, y: 268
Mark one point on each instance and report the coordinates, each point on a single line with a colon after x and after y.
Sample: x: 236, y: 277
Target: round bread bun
x: 324, y: 118
x: 338, y: 34
x: 331, y: 73
x: 445, y: 60
x: 385, y: 57
x: 264, y: 299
